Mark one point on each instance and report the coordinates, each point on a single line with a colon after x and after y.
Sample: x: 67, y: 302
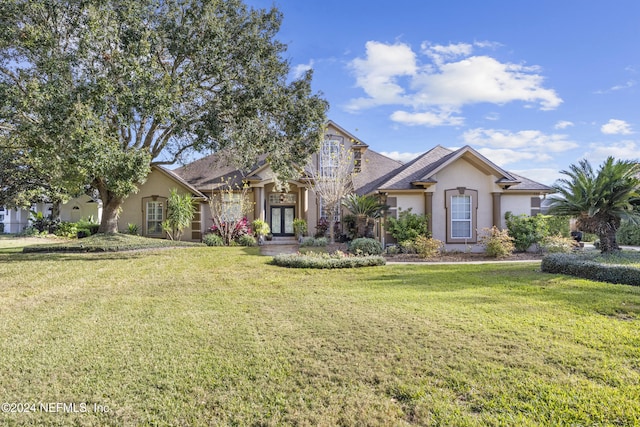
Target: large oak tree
x: 101, y: 90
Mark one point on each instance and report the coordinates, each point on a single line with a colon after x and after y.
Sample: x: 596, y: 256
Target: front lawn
x: 218, y: 336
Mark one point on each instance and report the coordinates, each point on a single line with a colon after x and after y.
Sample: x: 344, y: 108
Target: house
x: 82, y: 207
x: 460, y: 190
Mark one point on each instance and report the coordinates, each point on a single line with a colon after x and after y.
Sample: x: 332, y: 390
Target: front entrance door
x: 282, y: 220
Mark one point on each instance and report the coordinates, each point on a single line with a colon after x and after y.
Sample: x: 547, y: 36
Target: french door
x: 282, y: 220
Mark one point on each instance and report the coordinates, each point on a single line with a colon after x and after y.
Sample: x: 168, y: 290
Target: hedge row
x: 579, y: 267
x: 326, y: 261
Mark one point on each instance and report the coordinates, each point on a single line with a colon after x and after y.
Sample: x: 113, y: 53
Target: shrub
x: 574, y: 265
x: 132, y: 229
x: 365, y: 246
x: 322, y: 227
x: 628, y: 234
x: 324, y: 260
x: 428, y: 247
x: 557, y: 224
x: 66, y: 229
x: 408, y: 226
x: 211, y: 239
x: 558, y: 244
x: 180, y: 212
x: 83, y: 232
x: 88, y: 224
x: 526, y: 230
x: 408, y: 247
x: 231, y: 230
x: 247, y: 240
x: 299, y: 227
x: 314, y: 241
x: 497, y: 243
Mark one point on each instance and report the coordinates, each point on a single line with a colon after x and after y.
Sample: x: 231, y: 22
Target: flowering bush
x: 231, y: 231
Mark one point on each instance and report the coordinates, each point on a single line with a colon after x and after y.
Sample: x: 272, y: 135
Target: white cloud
x: 530, y: 146
x: 563, y: 124
x: 378, y: 73
x: 299, y: 70
x: 440, y: 118
x: 403, y: 157
x: 448, y: 79
x: 623, y: 150
x: 504, y: 156
x: 616, y: 127
x: 532, y: 141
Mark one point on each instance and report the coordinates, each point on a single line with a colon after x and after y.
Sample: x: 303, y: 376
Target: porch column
x: 428, y: 211
x: 497, y: 220
x: 260, y: 201
x: 303, y: 203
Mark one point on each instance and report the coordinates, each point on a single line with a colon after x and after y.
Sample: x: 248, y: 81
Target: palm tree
x: 365, y: 208
x: 600, y: 201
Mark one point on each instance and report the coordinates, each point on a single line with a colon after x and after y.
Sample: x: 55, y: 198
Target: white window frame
x: 460, y: 216
x: 153, y: 208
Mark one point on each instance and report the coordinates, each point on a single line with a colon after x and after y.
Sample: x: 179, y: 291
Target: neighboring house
x: 15, y: 220
x: 461, y: 191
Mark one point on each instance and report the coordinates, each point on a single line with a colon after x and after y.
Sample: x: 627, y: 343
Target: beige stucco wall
x: 461, y: 173
x: 517, y: 204
x: 82, y: 207
x: 158, y: 184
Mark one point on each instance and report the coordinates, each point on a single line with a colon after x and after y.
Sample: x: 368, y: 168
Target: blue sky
x: 533, y: 85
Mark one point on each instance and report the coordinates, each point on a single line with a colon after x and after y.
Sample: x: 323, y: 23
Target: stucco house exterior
x: 460, y: 190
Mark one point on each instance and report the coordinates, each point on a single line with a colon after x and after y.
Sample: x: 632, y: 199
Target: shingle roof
x: 376, y: 168
x: 214, y: 171
x: 416, y: 170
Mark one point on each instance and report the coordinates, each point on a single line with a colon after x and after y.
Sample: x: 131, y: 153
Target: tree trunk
x: 608, y: 241
x: 111, y: 205
x: 332, y: 232
x: 55, y: 210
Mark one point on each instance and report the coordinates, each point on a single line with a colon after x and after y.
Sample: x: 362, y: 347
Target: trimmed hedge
x: 322, y: 261
x: 587, y: 269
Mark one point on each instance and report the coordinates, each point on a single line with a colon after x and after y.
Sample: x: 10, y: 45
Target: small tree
x: 366, y: 209
x: 331, y: 178
x: 230, y: 206
x: 180, y: 212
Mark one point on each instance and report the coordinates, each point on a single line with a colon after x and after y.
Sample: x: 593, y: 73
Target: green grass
x: 105, y: 243
x: 218, y: 336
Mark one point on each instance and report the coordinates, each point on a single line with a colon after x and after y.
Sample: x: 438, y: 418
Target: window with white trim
x: 461, y: 204
x: 329, y: 156
x: 461, y: 221
x: 155, y: 216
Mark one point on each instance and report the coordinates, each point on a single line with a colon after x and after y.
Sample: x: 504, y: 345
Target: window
x: 282, y: 199
x: 155, y: 216
x: 329, y: 155
x: 461, y: 217
x: 462, y: 205
x: 231, y: 207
